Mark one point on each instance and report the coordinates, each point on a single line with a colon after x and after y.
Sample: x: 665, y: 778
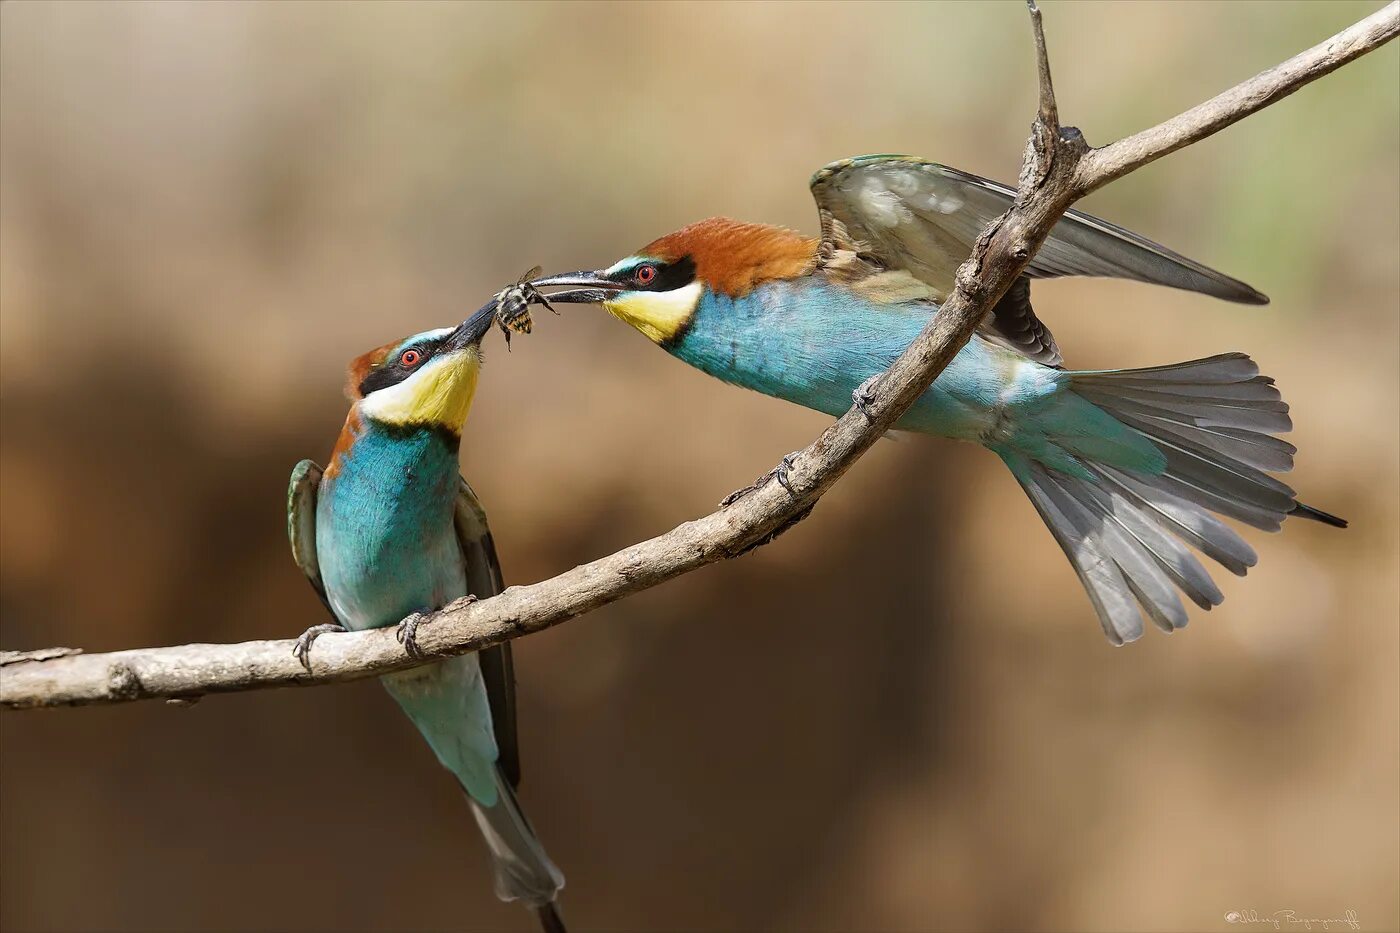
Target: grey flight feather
x: 521, y: 867
x: 916, y: 215
x: 484, y: 579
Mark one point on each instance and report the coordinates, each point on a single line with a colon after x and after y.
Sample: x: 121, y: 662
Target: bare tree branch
x: 1058, y: 168
x: 1118, y: 159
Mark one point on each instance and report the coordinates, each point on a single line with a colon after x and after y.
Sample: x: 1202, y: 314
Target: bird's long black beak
x: 588, y: 287
x: 470, y: 331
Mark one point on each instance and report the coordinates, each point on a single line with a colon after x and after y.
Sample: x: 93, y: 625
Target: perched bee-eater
x: 390, y: 529
x: 1125, y: 466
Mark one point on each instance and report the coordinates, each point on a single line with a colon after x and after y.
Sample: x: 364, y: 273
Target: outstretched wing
x: 906, y: 213
x: 301, y: 523
x: 484, y: 580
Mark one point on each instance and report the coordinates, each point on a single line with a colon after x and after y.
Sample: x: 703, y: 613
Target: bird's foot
x: 302, y: 649
x: 407, y: 632
x: 407, y: 635
x: 864, y: 395
x: 779, y: 472
x: 737, y: 494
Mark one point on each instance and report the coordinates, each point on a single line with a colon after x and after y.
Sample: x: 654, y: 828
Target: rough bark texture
x: 1058, y: 168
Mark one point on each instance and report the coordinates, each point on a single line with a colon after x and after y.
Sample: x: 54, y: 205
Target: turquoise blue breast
x: 384, y: 534
x: 813, y: 342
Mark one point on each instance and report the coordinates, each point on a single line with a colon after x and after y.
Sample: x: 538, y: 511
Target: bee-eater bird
x: 390, y: 529
x: 1125, y: 466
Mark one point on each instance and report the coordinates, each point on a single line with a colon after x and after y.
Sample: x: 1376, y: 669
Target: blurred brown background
x: 902, y: 716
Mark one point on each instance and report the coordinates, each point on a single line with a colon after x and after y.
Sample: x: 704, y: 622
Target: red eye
x: 410, y: 358
x: 645, y: 275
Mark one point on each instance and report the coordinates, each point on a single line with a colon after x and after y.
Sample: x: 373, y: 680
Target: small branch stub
x: 1047, y: 138
x: 1049, y: 112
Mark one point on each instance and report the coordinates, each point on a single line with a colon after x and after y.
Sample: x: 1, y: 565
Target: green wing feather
x: 301, y: 523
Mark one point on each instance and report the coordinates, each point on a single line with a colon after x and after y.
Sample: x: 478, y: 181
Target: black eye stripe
x: 669, y: 275
x: 392, y: 371
x: 674, y: 275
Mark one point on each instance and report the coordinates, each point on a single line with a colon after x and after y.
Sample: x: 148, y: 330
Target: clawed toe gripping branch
x: 1058, y: 168
x: 301, y: 650
x: 864, y: 395
x: 407, y: 631
x: 407, y: 635
x: 782, y: 473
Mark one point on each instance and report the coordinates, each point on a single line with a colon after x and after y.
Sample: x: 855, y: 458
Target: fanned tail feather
x: 1127, y: 532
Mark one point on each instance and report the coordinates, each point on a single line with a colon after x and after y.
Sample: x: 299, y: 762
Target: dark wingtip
x: 1317, y: 515
x: 550, y: 920
x: 1232, y: 289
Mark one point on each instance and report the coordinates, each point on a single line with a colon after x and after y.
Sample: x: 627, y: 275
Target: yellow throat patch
x: 440, y: 393
x: 658, y: 315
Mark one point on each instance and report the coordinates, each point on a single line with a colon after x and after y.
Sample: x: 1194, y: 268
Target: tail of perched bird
x: 445, y: 703
x: 522, y: 870
x: 1125, y: 499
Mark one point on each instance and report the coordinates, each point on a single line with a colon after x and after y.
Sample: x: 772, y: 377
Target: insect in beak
x: 513, y: 305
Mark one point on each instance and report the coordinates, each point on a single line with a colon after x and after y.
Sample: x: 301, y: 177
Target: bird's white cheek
x: 658, y: 315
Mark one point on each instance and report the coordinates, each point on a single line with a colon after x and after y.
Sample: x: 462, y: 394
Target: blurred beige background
x: 206, y: 210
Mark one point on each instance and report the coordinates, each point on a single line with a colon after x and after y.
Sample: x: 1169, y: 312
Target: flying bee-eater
x: 1126, y: 467
x: 390, y: 529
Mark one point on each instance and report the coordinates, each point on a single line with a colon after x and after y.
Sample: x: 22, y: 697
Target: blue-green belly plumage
x: 384, y: 528
x: 813, y: 343
x: 388, y: 548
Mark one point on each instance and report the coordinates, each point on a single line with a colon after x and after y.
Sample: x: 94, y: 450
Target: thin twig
x: 1049, y: 113
x: 1049, y: 186
x: 1115, y: 160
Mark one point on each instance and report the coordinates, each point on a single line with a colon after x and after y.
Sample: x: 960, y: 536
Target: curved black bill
x: 595, y: 286
x: 471, y: 330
